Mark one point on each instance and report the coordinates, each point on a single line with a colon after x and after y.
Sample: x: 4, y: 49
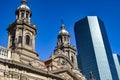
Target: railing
x: 5, y: 53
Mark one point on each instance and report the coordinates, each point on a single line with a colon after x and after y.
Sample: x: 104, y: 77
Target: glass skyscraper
x: 94, y: 52
x: 116, y: 58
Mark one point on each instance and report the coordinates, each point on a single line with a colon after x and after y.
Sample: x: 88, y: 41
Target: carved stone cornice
x: 28, y: 68
x: 60, y: 71
x: 27, y: 50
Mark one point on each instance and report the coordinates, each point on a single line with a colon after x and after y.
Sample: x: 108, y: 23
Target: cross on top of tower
x: 63, y: 26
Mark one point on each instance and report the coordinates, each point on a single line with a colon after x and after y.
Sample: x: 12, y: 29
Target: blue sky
x: 47, y: 15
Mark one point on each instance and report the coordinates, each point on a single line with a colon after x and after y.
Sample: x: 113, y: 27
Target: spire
x: 24, y: 2
x: 62, y: 26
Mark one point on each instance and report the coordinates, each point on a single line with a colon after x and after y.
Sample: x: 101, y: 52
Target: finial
x: 24, y: 2
x: 63, y: 26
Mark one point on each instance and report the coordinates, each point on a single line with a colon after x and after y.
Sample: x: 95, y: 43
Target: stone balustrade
x: 5, y: 53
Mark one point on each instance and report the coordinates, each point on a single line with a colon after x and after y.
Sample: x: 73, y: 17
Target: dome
x: 23, y: 6
x: 63, y: 31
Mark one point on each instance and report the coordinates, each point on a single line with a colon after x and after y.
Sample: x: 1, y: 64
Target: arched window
x: 22, y: 15
x: 64, y: 38
x: 20, y: 39
x: 27, y: 40
x: 27, y: 15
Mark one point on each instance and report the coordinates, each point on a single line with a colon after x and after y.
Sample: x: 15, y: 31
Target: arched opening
x: 20, y: 39
x: 22, y: 15
x: 27, y: 16
x: 12, y: 40
x: 72, y: 59
x: 27, y: 39
x: 65, y: 38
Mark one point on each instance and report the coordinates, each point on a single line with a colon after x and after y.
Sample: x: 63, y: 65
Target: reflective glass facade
x: 116, y: 58
x: 94, y: 53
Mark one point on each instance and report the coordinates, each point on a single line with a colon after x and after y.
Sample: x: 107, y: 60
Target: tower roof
x: 63, y: 31
x: 23, y: 5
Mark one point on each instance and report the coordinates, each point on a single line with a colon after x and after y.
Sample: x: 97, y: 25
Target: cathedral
x: 20, y: 61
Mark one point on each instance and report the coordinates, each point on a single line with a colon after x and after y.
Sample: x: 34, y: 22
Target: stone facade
x: 20, y: 61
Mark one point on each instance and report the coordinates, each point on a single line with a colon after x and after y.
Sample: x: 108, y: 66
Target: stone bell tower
x: 65, y: 48
x: 22, y: 33
x: 64, y: 57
